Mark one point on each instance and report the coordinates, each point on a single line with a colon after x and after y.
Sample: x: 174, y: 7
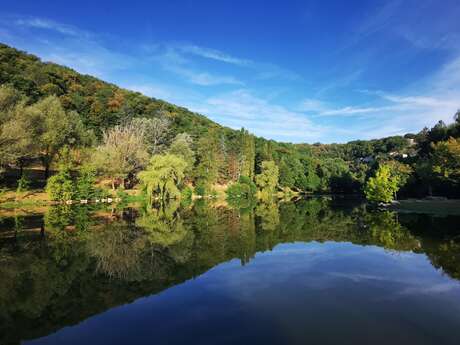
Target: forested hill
x: 100, y: 104
x: 217, y: 154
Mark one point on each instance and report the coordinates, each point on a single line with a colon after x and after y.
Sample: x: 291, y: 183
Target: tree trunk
x: 113, y: 184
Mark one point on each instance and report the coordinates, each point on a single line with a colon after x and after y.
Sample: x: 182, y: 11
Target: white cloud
x: 352, y: 110
x: 214, y: 55
x: 321, y: 108
x: 263, y: 71
x: 241, y: 108
x: 40, y: 23
x: 313, y: 105
x: 432, y: 98
x: 203, y: 78
x: 173, y: 61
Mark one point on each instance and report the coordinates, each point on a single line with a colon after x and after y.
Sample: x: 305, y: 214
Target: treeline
x: 89, y: 130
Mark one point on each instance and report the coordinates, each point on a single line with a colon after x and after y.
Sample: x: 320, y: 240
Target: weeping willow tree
x: 163, y: 176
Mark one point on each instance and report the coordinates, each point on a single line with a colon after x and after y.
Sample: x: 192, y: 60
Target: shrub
x: 200, y: 189
x: 243, y: 189
x: 23, y: 184
x: 85, y: 184
x: 247, y: 181
x: 61, y: 186
x: 186, y: 193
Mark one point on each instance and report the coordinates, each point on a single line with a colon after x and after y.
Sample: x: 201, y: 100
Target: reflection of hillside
x: 440, y: 240
x: 82, y: 266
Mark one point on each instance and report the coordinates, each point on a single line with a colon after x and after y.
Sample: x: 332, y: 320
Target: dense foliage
x: 383, y: 186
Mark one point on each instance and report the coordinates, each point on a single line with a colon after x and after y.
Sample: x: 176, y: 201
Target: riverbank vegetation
x: 90, y: 139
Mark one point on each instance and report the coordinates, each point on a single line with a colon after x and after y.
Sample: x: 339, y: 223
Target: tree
x: 154, y: 131
x: 446, y: 159
x: 52, y: 128
x: 267, y: 180
x: 243, y: 190
x: 15, y: 140
x: 162, y: 177
x: 182, y: 146
x: 292, y: 172
x: 61, y: 187
x: 264, y: 152
x: 247, y: 154
x: 209, y: 160
x: 123, y: 152
x: 424, y: 171
x: 438, y: 132
x: 383, y: 186
x: 402, y: 171
x: 287, y: 175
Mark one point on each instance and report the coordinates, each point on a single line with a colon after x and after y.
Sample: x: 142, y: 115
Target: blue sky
x: 299, y: 71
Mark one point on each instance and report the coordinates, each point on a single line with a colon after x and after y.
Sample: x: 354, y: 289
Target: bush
x: 23, y: 184
x: 243, y: 189
x: 186, y: 197
x: 61, y: 186
x: 186, y: 193
x: 85, y: 184
x: 200, y: 189
x: 247, y: 181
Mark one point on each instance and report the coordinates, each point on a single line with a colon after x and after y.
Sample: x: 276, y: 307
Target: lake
x: 323, y: 270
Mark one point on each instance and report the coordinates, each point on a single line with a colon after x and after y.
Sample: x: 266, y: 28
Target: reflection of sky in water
x: 297, y: 293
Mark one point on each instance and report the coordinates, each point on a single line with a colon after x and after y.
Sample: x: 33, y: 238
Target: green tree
x: 243, y: 190
x: 15, y: 139
x: 163, y: 176
x: 383, y: 186
x: 247, y: 154
x: 181, y: 146
x: 51, y: 128
x: 267, y: 180
x: 61, y: 187
x: 209, y: 161
x: 85, y: 183
x: 424, y: 172
x: 446, y: 159
x: 401, y: 171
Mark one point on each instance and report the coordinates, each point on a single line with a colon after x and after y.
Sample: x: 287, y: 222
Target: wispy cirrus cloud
x: 214, y: 54
x: 174, y: 61
x: 321, y: 108
x: 241, y: 108
x: 261, y: 70
x: 41, y: 23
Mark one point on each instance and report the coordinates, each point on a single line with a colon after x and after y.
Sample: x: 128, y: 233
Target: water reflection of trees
x: 89, y: 260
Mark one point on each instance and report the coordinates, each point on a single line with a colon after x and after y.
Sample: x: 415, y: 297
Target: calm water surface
x: 319, y: 271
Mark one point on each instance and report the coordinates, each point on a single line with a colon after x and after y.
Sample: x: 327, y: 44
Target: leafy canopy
x: 383, y: 186
x: 162, y: 177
